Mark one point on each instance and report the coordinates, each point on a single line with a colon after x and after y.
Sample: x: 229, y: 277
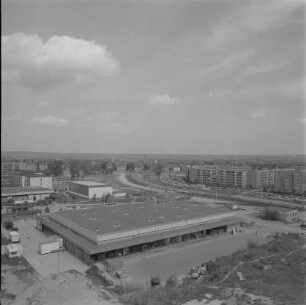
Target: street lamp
x: 61, y: 282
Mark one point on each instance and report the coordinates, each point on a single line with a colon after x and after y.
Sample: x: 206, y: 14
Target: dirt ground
x: 180, y: 259
x: 64, y: 288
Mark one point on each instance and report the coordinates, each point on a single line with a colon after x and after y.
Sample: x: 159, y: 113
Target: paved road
x: 122, y: 178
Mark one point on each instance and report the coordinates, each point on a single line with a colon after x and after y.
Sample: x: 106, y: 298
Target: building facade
x: 90, y: 189
x: 215, y: 175
x: 284, y: 181
x: 32, y: 180
x: 299, y: 180
x: 262, y: 178
x: 22, y: 194
x: 7, y: 171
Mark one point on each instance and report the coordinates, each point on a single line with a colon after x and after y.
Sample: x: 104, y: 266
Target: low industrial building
x: 287, y: 215
x: 21, y: 194
x: 110, y: 231
x: 29, y: 179
x: 90, y: 189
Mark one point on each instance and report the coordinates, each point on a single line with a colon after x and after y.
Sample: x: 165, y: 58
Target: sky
x: 145, y: 76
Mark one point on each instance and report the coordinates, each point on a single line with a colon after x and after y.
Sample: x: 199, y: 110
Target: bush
x: 252, y: 245
x: 186, y: 280
x: 155, y: 281
x: 8, y: 225
x: 171, y: 281
x: 127, y: 288
x: 47, y: 210
x: 258, y: 265
x: 97, y: 277
x: 270, y: 214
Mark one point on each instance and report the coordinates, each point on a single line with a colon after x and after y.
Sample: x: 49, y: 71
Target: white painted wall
x: 100, y: 191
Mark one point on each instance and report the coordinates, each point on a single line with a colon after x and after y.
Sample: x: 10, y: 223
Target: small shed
x: 14, y: 250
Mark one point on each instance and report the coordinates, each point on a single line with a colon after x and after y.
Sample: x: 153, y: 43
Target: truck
x: 14, y: 237
x: 57, y: 238
x: 49, y: 247
x: 13, y: 250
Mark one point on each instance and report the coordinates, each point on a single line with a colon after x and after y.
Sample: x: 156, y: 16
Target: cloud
x: 28, y: 60
x: 14, y: 118
x: 252, y: 19
x: 259, y: 115
x: 113, y: 122
x: 44, y: 104
x: 50, y: 120
x: 226, y: 66
x: 163, y: 99
x: 302, y: 121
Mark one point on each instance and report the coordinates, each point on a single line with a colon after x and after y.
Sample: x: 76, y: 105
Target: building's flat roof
x: 31, y: 174
x: 89, y: 183
x: 109, y: 219
x: 16, y: 190
x: 93, y: 248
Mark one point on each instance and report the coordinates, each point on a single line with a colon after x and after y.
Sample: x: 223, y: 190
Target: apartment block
x: 262, y: 178
x: 299, y: 180
x: 220, y: 175
x: 284, y: 180
x: 7, y: 172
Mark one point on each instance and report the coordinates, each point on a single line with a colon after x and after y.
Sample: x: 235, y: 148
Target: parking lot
x: 48, y: 263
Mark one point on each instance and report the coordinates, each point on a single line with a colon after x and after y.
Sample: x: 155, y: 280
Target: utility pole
x: 60, y: 291
x: 216, y: 198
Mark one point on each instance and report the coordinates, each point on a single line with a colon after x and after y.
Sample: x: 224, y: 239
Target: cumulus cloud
x: 302, y: 121
x: 113, y: 122
x: 163, y: 99
x: 28, y: 60
x: 259, y: 115
x: 50, y: 120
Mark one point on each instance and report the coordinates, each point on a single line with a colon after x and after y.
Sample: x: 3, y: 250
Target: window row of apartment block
x: 282, y: 180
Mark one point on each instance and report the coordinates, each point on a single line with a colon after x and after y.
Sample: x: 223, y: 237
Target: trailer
x: 14, y: 237
x: 49, y: 247
x: 57, y: 238
x: 13, y: 250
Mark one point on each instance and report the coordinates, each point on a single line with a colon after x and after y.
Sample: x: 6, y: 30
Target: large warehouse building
x: 104, y: 232
x: 90, y: 189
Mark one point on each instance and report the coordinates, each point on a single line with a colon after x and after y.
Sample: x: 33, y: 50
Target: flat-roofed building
x: 28, y: 179
x: 7, y: 172
x: 22, y: 194
x: 284, y: 181
x: 217, y: 175
x: 103, y: 232
x: 90, y: 189
x: 299, y: 180
x: 287, y: 215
